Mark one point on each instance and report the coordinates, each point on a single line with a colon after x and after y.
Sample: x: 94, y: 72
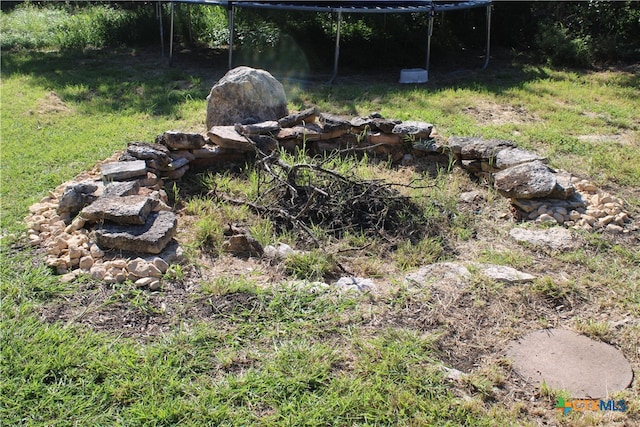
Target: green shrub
x: 560, y: 49
x: 202, y: 24
x: 29, y: 27
x: 62, y: 26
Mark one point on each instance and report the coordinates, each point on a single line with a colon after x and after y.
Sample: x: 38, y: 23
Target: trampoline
x: 338, y: 8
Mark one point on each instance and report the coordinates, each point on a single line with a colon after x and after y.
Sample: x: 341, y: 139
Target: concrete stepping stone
x: 564, y: 360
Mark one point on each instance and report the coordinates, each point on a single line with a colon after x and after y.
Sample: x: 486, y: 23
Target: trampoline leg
x: 429, y: 34
x: 336, y: 53
x: 487, y: 50
x: 171, y: 38
x: 231, y: 35
x: 159, y: 15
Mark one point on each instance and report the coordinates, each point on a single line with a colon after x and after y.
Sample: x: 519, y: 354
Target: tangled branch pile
x: 302, y: 196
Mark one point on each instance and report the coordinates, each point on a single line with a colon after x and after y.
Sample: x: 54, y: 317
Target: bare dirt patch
x: 490, y: 113
x: 625, y: 138
x: 52, y: 104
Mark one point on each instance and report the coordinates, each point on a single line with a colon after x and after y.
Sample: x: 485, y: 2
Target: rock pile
x: 101, y: 225
x: 537, y: 191
x: 116, y: 225
x: 88, y: 226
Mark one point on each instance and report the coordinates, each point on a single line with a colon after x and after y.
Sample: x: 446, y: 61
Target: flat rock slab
x: 505, y: 274
x: 412, y: 128
x: 564, y: 187
x: 307, y: 132
x: 147, y: 151
x: 331, y: 122
x: 556, y: 238
x: 358, y: 284
x: 120, y: 189
x: 473, y: 196
x: 526, y: 181
x: 565, y: 360
x: 177, y: 140
x: 514, y: 156
x: 76, y: 197
x: 122, y: 171
x: 473, y: 148
x: 132, y: 210
x: 457, y: 274
x: 449, y: 272
x: 228, y: 137
x: 152, y: 237
x: 307, y: 116
x: 263, y: 128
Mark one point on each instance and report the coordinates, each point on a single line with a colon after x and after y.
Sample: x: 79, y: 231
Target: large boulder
x: 245, y: 95
x: 526, y: 181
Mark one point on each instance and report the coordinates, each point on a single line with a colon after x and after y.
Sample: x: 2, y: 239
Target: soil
x: 490, y: 113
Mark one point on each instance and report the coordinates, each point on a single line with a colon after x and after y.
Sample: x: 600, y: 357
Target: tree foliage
x: 570, y: 33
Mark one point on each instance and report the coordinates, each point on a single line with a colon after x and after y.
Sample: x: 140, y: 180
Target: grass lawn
x: 236, y: 342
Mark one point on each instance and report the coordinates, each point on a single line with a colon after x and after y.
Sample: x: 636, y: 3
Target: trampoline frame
x: 431, y: 7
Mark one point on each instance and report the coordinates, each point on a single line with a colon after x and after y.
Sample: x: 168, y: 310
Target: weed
x: 593, y: 328
x: 175, y: 272
x: 209, y: 233
x: 263, y: 231
x: 558, y: 292
x: 174, y: 195
x: 481, y: 383
x: 230, y: 285
x: 198, y: 206
x: 129, y: 293
x: 312, y: 265
x: 553, y: 395
x: 515, y: 258
x: 426, y: 251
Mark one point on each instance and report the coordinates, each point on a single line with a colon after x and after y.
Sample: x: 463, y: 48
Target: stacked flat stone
x: 75, y: 225
x: 539, y: 192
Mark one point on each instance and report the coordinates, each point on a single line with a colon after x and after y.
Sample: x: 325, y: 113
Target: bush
x: 29, y: 27
x: 570, y: 33
x: 202, y: 24
x: 67, y: 27
x: 559, y: 49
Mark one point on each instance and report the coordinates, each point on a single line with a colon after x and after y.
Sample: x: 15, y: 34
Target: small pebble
x: 614, y: 229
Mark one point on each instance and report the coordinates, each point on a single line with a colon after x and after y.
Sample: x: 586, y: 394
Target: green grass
x: 284, y: 354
